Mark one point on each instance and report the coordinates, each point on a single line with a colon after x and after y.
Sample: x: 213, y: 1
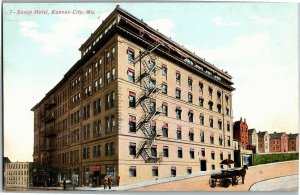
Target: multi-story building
x: 240, y: 133
x: 5, y: 161
x: 278, y: 142
x: 252, y: 140
x: 17, y: 174
x: 263, y: 142
x: 137, y: 105
x: 293, y: 142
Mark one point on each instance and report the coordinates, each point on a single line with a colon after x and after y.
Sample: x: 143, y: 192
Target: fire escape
x: 48, y: 144
x: 148, y: 83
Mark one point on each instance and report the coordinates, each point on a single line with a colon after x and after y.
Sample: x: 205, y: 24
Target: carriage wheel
x: 212, y: 182
x: 225, y: 182
x: 235, y: 181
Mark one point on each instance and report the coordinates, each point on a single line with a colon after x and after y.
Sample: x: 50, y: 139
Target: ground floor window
x: 173, y: 171
x: 189, y: 170
x: 132, y: 171
x: 154, y: 171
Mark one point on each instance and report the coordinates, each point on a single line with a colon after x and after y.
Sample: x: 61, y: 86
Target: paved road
x: 287, y: 183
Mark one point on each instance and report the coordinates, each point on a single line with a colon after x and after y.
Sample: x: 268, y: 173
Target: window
x: 210, y: 91
x: 173, y: 171
x: 219, y: 95
x: 107, y: 101
x: 227, y: 111
x: 226, y: 99
x: 113, y: 50
x: 97, y: 128
x: 190, y: 98
x: 107, y: 149
x: 213, y: 167
x: 155, y: 171
x: 228, y: 127
x: 132, y: 124
x: 202, y: 136
x: 152, y: 84
x: 190, y: 82
x: 112, y: 148
x: 178, y: 93
x: 178, y: 132
x: 165, y: 109
x: 201, y: 101
x: 178, y: 113
x: 165, y: 130
x: 221, y: 156
x: 192, y: 154
x: 130, y: 53
x: 151, y: 64
x: 191, y: 134
x: 211, y: 122
x: 220, y: 124
x: 210, y: 105
x: 213, y: 155
x: 191, y: 116
x: 229, y: 156
x: 107, y: 77
x: 131, y: 99
x: 178, y: 77
x: 164, y: 88
x: 100, y: 82
x: 228, y: 140
x: 201, y: 119
x: 132, y: 171
x: 200, y: 87
x: 164, y: 70
x: 113, y: 123
x: 189, y: 170
x: 107, y: 125
x: 211, y: 139
x: 113, y: 74
x: 154, y: 151
x: 179, y: 152
x: 219, y: 108
x: 203, y: 152
x: 220, y: 140
x: 86, y: 112
x: 165, y: 151
x: 132, y: 149
x: 112, y: 99
x: 131, y: 75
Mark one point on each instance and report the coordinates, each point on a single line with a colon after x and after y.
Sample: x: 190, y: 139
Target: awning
x: 165, y: 125
x: 96, y: 168
x: 132, y: 119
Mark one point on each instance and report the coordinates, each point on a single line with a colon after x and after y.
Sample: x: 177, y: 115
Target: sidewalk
x: 287, y: 183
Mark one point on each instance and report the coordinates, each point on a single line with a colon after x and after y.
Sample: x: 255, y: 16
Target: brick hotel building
x: 137, y: 105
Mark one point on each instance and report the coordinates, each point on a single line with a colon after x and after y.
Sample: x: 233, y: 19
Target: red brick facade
x: 278, y: 142
x: 240, y: 129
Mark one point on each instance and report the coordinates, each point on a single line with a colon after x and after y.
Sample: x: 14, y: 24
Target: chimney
x: 241, y: 119
x: 244, y: 120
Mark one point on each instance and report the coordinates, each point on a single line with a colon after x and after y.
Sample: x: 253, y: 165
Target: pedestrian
x: 118, y: 180
x: 109, y: 182
x: 64, y: 183
x: 105, y: 181
x: 243, y: 173
x: 97, y: 182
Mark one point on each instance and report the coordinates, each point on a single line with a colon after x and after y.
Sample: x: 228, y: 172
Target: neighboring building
x: 252, y: 140
x: 5, y: 161
x: 137, y: 105
x: 278, y: 142
x: 17, y: 174
x: 293, y: 142
x: 263, y: 142
x: 240, y: 133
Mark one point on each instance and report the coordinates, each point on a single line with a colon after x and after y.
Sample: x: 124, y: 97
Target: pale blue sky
x: 255, y: 42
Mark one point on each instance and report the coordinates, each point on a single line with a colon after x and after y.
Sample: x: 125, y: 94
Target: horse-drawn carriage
x: 227, y: 177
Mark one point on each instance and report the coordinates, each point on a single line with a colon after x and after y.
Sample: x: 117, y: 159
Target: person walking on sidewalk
x: 118, y: 180
x: 64, y: 183
x: 109, y: 182
x: 105, y: 181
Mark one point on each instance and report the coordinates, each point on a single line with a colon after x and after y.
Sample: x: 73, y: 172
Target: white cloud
x: 64, y: 33
x: 218, y: 21
x: 164, y: 26
x: 262, y: 21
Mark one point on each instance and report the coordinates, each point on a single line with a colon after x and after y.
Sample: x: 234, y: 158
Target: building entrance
x: 203, y: 165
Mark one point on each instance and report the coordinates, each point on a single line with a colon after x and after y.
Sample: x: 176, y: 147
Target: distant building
x: 253, y: 140
x: 17, y: 174
x: 293, y: 144
x: 278, y: 142
x: 5, y: 161
x: 263, y: 142
x: 240, y: 133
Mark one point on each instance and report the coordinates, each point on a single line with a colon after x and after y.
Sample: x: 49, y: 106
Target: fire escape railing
x: 150, y: 88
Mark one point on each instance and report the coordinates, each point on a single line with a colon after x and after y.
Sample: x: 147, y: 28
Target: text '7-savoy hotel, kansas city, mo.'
x: 136, y: 105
